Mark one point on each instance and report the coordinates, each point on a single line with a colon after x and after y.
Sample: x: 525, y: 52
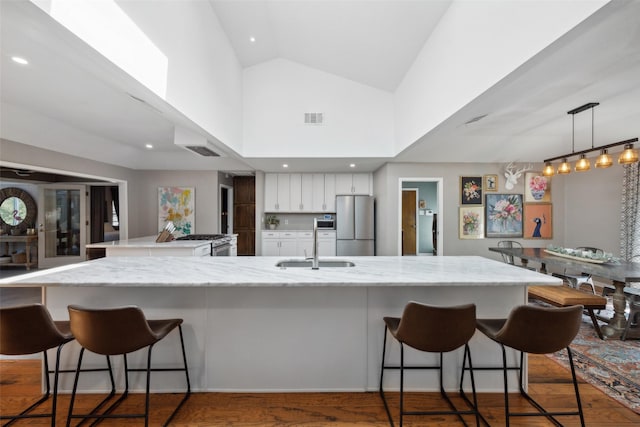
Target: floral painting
x: 537, y: 188
x: 177, y: 204
x: 503, y: 213
x: 471, y: 190
x: 537, y: 221
x: 471, y: 222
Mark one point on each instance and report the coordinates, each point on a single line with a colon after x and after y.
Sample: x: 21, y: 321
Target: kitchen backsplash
x: 291, y: 221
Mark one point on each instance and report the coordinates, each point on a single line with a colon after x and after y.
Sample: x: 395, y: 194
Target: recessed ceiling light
x: 252, y: 39
x: 19, y: 60
x: 149, y: 146
x: 285, y: 165
x: 352, y: 165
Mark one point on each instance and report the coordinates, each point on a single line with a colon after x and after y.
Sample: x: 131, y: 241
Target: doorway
x: 226, y: 214
x: 409, y: 229
x: 429, y: 215
x: 62, y: 224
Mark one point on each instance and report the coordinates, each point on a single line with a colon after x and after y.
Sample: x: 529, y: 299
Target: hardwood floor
x: 549, y: 383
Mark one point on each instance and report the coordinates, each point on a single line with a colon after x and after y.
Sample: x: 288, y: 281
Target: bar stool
x: 119, y: 331
x: 537, y: 330
x: 29, y: 329
x: 436, y: 330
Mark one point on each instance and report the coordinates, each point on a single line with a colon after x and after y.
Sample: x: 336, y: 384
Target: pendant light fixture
x: 604, y: 160
x: 629, y: 155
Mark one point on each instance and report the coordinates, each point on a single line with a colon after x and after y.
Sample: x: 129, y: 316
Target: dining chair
x: 509, y: 259
x: 577, y: 280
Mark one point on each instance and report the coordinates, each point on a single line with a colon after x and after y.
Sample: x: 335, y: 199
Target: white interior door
x: 62, y: 224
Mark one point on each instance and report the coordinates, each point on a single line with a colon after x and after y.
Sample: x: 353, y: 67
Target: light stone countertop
x: 261, y: 272
x: 147, y: 242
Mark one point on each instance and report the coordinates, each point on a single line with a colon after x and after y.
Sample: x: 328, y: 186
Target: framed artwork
x: 503, y: 214
x: 537, y: 188
x: 422, y: 204
x: 471, y: 190
x: 177, y: 204
x: 471, y: 222
x: 538, y: 221
x: 490, y: 183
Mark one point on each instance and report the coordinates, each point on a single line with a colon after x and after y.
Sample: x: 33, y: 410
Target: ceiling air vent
x: 313, y: 118
x: 195, y: 142
x: 202, y: 150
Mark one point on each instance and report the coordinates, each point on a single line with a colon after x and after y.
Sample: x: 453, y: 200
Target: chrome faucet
x: 314, y: 252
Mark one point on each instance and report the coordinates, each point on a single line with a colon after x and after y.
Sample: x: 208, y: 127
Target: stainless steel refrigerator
x: 355, y: 225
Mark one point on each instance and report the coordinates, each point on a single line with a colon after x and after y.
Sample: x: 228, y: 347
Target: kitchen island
x: 147, y: 246
x: 252, y: 326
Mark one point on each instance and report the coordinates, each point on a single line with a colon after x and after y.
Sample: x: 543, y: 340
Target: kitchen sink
x: 308, y: 263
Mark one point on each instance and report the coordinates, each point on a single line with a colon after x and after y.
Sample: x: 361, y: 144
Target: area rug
x: 612, y: 366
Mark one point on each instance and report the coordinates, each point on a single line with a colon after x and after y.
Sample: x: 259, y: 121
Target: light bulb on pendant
x: 604, y: 159
x: 583, y: 164
x: 629, y: 155
x: 548, y: 170
x: 564, y: 167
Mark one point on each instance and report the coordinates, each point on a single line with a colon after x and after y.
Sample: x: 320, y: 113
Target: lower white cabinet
x: 278, y: 243
x: 297, y: 243
x: 327, y: 243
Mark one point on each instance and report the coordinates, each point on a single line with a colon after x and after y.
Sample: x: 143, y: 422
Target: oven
x: 220, y: 249
x: 220, y: 243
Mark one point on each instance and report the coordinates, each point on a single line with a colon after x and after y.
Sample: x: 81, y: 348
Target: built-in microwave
x: 326, y: 223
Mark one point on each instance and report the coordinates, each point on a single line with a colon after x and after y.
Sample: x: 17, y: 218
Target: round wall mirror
x: 17, y: 210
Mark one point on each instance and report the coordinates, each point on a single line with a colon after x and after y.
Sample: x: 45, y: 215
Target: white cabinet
x: 324, y: 192
x: 353, y: 183
x: 327, y: 243
x: 278, y: 243
x: 277, y: 192
x: 301, y: 192
x: 298, y: 243
x: 304, y: 243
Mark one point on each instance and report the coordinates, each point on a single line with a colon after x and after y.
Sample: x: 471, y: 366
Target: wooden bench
x: 563, y: 296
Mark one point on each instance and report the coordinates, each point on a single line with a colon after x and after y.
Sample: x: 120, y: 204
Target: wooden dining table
x: 621, y: 274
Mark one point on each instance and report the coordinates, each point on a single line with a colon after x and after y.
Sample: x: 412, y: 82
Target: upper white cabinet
x: 301, y: 192
x: 277, y: 192
x: 353, y: 183
x: 324, y: 192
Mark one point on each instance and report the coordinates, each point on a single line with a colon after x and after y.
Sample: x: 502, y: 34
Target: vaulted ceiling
x: 371, y: 42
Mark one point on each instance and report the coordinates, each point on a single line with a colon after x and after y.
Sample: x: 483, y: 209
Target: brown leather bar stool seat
x: 120, y: 331
x: 431, y: 329
x: 537, y: 330
x: 29, y: 329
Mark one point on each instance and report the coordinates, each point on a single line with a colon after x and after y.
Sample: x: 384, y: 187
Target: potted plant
x: 272, y: 221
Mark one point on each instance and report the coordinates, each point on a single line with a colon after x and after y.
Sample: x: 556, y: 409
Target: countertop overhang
x: 379, y: 271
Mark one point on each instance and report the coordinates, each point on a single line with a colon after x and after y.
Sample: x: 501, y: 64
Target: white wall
x: 475, y: 45
x: 204, y: 80
x: 593, y: 203
x: 357, y: 118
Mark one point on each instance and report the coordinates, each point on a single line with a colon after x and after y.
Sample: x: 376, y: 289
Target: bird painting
x: 539, y: 222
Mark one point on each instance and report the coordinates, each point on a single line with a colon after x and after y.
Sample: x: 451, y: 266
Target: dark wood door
x: 409, y: 222
x: 244, y: 214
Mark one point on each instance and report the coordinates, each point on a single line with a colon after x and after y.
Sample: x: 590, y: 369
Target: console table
x: 9, y: 243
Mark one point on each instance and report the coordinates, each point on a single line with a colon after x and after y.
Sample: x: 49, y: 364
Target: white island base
x: 264, y: 329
